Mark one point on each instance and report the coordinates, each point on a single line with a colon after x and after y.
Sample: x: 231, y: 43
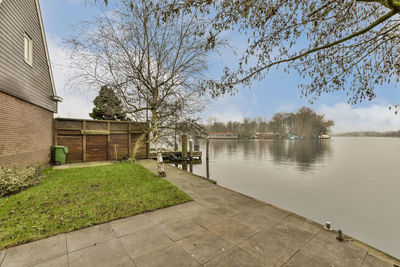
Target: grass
x: 70, y: 199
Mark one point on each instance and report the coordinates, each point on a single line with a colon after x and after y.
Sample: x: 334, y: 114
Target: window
x: 28, y: 49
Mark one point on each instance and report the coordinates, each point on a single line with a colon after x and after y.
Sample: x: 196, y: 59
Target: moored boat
x: 324, y: 136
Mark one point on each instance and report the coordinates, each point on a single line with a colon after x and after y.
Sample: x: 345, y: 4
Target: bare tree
x: 154, y: 66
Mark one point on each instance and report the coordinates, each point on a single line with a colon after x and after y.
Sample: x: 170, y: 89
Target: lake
x: 353, y: 182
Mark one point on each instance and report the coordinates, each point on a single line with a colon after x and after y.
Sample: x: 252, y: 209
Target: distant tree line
x: 305, y: 122
x: 371, y: 134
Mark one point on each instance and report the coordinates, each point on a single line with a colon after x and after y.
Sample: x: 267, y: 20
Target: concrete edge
x: 370, y: 250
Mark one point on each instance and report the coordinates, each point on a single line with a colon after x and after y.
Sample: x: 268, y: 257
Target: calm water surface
x: 352, y: 182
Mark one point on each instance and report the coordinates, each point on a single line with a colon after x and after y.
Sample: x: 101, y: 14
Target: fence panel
x: 91, y: 140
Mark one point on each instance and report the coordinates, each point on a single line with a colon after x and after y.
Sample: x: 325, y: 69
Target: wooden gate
x: 91, y: 140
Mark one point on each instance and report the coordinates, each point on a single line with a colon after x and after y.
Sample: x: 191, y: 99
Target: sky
x: 278, y: 92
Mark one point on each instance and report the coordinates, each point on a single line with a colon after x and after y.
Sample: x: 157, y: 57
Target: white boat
x: 324, y: 136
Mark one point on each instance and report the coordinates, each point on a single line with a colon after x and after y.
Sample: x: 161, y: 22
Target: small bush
x: 15, y: 180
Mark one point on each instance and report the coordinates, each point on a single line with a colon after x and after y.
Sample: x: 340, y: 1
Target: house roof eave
x: 55, y: 97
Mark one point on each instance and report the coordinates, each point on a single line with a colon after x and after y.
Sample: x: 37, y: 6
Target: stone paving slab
x: 219, y: 228
x: 276, y: 245
x: 35, y: 252
x: 235, y: 257
x: 2, y: 254
x: 301, y: 223
x: 326, y: 247
x: 178, y: 229
x: 190, y: 208
x: 108, y: 253
x: 226, y: 210
x: 207, y: 218
x: 163, y: 216
x: 371, y: 261
x: 255, y: 220
x: 233, y: 231
x: 205, y: 246
x: 170, y: 257
x: 131, y: 225
x: 89, y: 236
x: 145, y: 241
x: 57, y: 262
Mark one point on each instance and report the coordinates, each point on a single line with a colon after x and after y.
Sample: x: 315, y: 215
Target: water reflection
x: 304, y: 152
x: 187, y: 165
x: 347, y: 181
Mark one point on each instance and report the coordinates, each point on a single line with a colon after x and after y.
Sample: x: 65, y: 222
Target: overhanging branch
x: 358, y: 33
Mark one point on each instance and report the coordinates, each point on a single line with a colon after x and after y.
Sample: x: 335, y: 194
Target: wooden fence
x: 92, y: 140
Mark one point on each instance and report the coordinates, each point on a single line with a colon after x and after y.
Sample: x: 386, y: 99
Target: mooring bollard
x: 328, y: 226
x: 340, y: 236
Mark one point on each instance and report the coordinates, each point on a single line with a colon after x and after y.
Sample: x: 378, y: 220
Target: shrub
x: 15, y: 180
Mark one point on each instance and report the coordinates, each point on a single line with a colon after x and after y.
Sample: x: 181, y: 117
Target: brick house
x: 28, y: 98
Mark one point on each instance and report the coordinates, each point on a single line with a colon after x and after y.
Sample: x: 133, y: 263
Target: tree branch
x: 366, y: 29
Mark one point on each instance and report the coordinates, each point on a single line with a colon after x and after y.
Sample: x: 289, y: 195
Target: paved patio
x: 219, y: 228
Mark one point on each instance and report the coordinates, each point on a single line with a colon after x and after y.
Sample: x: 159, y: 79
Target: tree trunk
x: 139, y: 143
x: 160, y: 164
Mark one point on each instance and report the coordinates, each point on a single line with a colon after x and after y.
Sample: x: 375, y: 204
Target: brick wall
x: 25, y: 132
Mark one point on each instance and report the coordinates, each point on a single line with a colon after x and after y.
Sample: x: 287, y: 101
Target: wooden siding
x: 90, y: 140
x: 17, y: 78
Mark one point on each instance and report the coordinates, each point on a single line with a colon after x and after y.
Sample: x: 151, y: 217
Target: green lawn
x: 70, y: 199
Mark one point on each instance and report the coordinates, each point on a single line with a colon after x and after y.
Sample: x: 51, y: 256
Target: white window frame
x: 28, y: 49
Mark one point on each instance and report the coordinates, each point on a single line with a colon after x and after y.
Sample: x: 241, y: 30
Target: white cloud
x: 348, y: 118
x: 76, y: 103
x: 225, y: 109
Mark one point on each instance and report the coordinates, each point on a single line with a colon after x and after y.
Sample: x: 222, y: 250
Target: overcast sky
x: 278, y: 92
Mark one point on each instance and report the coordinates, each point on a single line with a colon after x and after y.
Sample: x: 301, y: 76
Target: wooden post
x: 147, y: 138
x: 148, y: 145
x: 190, y: 148
x: 84, y: 142
x: 207, y: 168
x: 207, y: 163
x: 108, y: 140
x: 184, y: 165
x: 184, y: 146
x: 207, y: 146
x: 55, y: 141
x: 130, y: 140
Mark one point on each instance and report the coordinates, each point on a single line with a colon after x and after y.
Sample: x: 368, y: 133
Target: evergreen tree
x: 107, y: 106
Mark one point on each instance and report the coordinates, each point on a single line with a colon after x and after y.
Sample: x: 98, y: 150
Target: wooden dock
x: 177, y: 155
